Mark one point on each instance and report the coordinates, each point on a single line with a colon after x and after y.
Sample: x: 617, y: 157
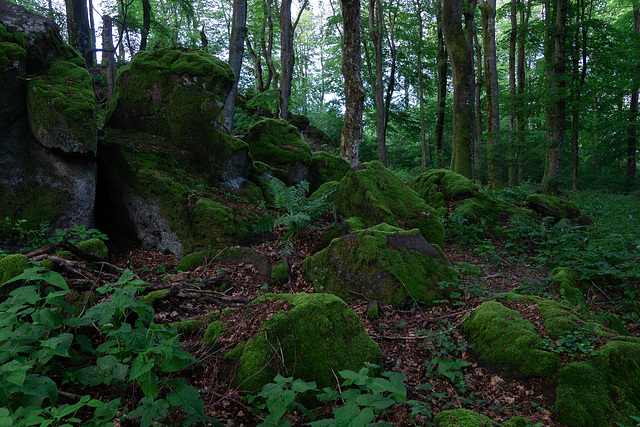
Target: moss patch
x: 384, y: 263
x: 12, y: 266
x: 61, y: 107
x: 602, y: 390
x: 280, y: 273
x: 553, y: 206
x: 326, y: 167
x: 463, y: 418
x: 318, y: 336
x: 376, y: 195
x: 213, y: 332
x: 96, y: 247
x: 503, y: 338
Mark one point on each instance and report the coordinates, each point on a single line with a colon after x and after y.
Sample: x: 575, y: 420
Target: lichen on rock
x: 382, y: 263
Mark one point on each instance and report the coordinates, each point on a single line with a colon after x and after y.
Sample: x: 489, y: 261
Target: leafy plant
x: 279, y: 397
x: 42, y: 346
x: 43, y: 234
x: 575, y: 343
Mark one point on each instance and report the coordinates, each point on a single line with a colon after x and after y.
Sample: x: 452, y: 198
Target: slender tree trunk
x: 423, y: 139
x: 461, y: 56
x: 557, y: 85
x: 479, y: 83
x: 287, y: 58
x: 520, y: 72
x: 488, y: 10
x: 351, y: 137
x: 146, y: 24
x: 108, y: 55
x: 268, y: 51
x: 78, y: 29
x: 513, y: 36
x: 92, y: 33
x: 442, y: 88
x: 375, y: 32
x: 578, y: 86
x: 236, y: 51
x: 633, y: 112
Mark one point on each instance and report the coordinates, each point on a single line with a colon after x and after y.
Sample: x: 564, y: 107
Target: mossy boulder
x: 316, y: 336
x: 602, y: 390
x: 61, y: 108
x: 280, y: 273
x: 96, y: 247
x: 326, y: 167
x: 258, y: 263
x: 502, y: 338
x: 47, y: 126
x: 553, y: 207
x: 470, y: 201
x: 178, y: 96
x: 12, y: 266
x: 382, y: 263
x: 280, y: 146
x: 376, y: 195
x: 463, y: 418
x: 566, y: 281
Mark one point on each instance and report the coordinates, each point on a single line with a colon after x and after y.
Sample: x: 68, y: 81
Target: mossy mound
x: 12, y: 266
x: 61, y: 108
x: 178, y: 96
x: 503, y: 338
x: 326, y: 167
x: 553, y: 206
x: 279, y: 145
x: 376, y: 195
x: 566, y: 281
x: 228, y: 256
x: 382, y: 263
x: 602, y: 390
x: 96, y: 247
x: 318, y: 336
x: 471, y: 202
x: 463, y: 418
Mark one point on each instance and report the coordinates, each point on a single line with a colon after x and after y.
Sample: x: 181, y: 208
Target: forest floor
x: 409, y: 338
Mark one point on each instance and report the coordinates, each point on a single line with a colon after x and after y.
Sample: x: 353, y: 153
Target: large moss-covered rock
x: 553, y: 206
x: 376, y: 195
x: 259, y: 263
x: 325, y: 168
x: 382, y: 263
x: 470, y: 201
x: 602, y: 390
x: 501, y: 337
x: 315, y: 337
x: 566, y: 281
x: 179, y: 95
x: 47, y: 126
x: 279, y: 145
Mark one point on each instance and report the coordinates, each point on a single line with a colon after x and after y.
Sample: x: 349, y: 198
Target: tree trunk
x: 442, y: 88
x: 520, y: 72
x: 146, y: 24
x: 513, y: 36
x: 78, y: 29
x: 92, y: 33
x: 236, y: 50
x: 557, y: 86
x: 633, y: 113
x: 375, y: 32
x: 461, y: 56
x: 423, y: 139
x: 287, y: 58
x: 479, y: 83
x: 108, y: 55
x: 488, y: 10
x: 351, y: 137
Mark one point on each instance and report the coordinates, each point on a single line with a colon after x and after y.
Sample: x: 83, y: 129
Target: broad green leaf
x: 140, y: 365
x: 186, y: 397
x: 150, y: 410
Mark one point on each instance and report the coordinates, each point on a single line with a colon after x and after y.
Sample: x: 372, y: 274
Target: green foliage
x: 300, y: 212
x: 43, y: 347
x: 278, y: 398
x: 43, y: 234
x: 576, y: 343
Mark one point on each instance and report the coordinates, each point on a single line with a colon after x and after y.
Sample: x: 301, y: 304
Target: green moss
x: 12, y: 266
x: 373, y: 312
x: 96, y: 247
x: 364, y: 263
x: 467, y: 269
x: 280, y: 272
x: 213, y: 332
x: 154, y: 296
x: 326, y: 167
x: 216, y: 225
x: 376, y: 195
x: 279, y: 145
x: 503, y: 338
x: 62, y: 105
x: 554, y: 206
x: 33, y: 203
x: 463, y: 418
x: 188, y: 327
x: 195, y: 259
x: 332, y: 186
x: 318, y: 336
x: 566, y: 281
x: 602, y: 390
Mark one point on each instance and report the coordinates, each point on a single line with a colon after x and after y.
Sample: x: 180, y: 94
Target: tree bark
x: 513, y: 38
x: 633, y: 112
x: 520, y: 74
x: 479, y: 83
x: 287, y: 58
x: 460, y: 52
x: 423, y: 139
x: 351, y: 136
x: 488, y: 11
x: 236, y: 51
x: 442, y: 88
x: 557, y: 86
x: 78, y: 29
x: 108, y: 55
x: 146, y: 24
